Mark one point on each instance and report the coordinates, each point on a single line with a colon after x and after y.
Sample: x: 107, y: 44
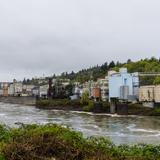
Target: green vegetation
x: 156, y: 80
x: 47, y: 142
x: 84, y: 104
x: 49, y: 103
x: 100, y: 71
x: 85, y: 98
x: 146, y: 65
x: 138, y: 109
x: 89, y: 107
x: 102, y: 107
x: 156, y: 111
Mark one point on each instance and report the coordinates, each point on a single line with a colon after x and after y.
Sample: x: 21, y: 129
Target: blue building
x: 123, y: 85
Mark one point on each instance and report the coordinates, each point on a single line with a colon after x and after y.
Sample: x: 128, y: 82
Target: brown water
x: 120, y: 129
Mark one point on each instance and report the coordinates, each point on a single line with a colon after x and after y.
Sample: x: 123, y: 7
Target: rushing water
x: 120, y: 129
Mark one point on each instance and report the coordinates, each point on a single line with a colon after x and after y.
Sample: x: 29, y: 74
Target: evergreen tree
x: 111, y: 65
x: 24, y: 81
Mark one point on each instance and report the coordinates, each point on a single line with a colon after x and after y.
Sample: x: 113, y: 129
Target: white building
x: 43, y: 91
x: 27, y: 89
x: 103, y: 84
x: 11, y: 89
x: 18, y: 87
x: 35, y: 91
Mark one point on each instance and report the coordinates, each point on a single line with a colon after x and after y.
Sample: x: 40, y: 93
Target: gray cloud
x: 44, y: 37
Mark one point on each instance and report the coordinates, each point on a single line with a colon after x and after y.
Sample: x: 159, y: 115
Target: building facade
x: 123, y: 85
x: 103, y: 85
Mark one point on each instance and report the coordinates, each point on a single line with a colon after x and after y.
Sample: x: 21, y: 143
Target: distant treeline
x: 100, y: 71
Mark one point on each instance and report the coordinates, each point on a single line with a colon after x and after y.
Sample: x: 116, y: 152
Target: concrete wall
x: 149, y: 94
x: 19, y: 100
x: 146, y: 93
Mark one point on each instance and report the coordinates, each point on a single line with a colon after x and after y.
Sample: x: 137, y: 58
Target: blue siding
x: 120, y: 79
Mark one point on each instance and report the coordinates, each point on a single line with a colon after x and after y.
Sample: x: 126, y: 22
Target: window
x: 125, y: 81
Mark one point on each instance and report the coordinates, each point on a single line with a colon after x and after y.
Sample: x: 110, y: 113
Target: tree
x: 28, y: 81
x: 72, y: 73
x: 24, y: 81
x: 129, y: 61
x: 111, y: 65
x: 69, y: 90
x: 104, y: 66
x: 153, y: 59
x: 118, y: 64
x: 85, y: 98
x: 54, y: 75
x: 157, y: 80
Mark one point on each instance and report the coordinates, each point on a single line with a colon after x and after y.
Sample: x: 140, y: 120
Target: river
x: 120, y: 129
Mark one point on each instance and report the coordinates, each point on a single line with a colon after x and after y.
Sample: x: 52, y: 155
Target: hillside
x: 100, y: 71
x: 143, y: 65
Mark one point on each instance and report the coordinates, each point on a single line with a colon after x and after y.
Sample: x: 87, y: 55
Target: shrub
x: 57, y: 102
x: 90, y: 106
x: 85, y: 98
x: 44, y: 142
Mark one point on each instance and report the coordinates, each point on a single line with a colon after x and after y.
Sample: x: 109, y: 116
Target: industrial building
x: 146, y: 93
x: 149, y: 94
x: 123, y: 85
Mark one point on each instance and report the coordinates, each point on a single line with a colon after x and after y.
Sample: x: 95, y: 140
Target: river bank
x: 67, y: 105
x: 59, y: 104
x: 52, y: 141
x: 75, y: 105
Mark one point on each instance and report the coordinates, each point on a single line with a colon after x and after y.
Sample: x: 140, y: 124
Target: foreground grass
x: 48, y: 142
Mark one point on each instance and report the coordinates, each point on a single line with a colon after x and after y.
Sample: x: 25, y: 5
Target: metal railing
x: 149, y: 74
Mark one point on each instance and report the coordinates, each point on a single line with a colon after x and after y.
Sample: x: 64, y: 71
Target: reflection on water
x: 121, y: 129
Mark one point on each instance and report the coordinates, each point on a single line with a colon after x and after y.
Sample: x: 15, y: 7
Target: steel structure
x: 148, y: 74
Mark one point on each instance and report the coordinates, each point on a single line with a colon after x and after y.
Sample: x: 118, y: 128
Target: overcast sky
x: 51, y: 36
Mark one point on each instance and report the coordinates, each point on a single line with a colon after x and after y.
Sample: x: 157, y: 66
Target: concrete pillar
x: 113, y: 106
